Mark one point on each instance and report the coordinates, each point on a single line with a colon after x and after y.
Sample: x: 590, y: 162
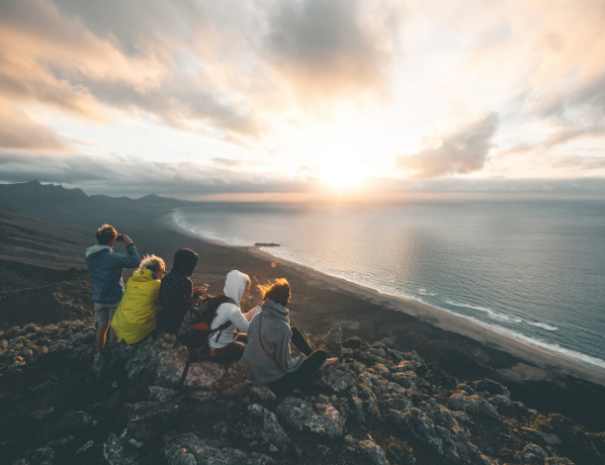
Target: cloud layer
x: 510, y: 89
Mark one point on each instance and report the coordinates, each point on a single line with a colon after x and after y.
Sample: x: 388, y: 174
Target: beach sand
x: 542, y: 380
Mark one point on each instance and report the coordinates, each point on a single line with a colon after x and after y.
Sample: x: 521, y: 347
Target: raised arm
x: 131, y: 260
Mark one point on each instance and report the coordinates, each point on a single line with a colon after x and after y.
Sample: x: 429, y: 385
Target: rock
x: 76, y: 420
x: 151, y: 419
x: 333, y: 341
x: 550, y: 439
x: 352, y: 343
x: 118, y: 450
x: 21, y: 462
x: 416, y: 423
x: 373, y: 452
x: 300, y: 415
x: 12, y: 332
x: 336, y: 379
x: 369, y: 403
x: 356, y: 410
x: 558, y: 461
x: 400, y: 453
x: 404, y: 378
x: 188, y: 449
x: 271, y: 431
x: 43, y: 413
x: 473, y: 405
x: 3, y: 344
x: 490, y: 388
x: 161, y: 394
x: 85, y: 447
x: 262, y: 393
x: 30, y: 328
x: 532, y: 452
x: 44, y: 453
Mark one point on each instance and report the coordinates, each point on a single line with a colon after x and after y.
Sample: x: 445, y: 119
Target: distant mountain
x: 55, y: 201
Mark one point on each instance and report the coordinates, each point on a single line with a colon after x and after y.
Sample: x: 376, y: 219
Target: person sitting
x: 177, y: 294
x: 135, y: 317
x: 227, y: 346
x: 106, y: 271
x: 267, y: 358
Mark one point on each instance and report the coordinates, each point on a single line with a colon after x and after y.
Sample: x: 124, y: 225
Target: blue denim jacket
x: 106, y: 270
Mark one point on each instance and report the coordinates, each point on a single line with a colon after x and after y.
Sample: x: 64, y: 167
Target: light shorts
x: 104, y: 312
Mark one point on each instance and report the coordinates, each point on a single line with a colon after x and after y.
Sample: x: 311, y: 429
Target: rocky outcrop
x: 376, y: 406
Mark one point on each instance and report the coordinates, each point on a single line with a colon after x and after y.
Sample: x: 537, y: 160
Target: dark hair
x: 277, y: 290
x: 105, y: 234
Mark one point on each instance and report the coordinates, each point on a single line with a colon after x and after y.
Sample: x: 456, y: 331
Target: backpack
x: 195, y: 328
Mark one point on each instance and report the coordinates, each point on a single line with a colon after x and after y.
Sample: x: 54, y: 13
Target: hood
x: 95, y: 249
x: 235, y: 285
x: 185, y: 261
x: 144, y: 276
x: 277, y: 310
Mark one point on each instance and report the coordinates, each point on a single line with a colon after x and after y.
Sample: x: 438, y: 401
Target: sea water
x: 532, y: 270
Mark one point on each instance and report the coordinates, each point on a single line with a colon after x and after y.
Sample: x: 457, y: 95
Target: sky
x: 282, y: 99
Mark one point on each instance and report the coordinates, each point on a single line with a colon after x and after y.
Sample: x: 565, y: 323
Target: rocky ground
x: 377, y: 406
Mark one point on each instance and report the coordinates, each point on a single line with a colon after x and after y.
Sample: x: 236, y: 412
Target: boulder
x: 473, y: 405
x: 352, y: 343
x: 269, y: 429
x: 76, y: 420
x: 373, y: 452
x: 336, y: 379
x: 188, y: 449
x: 262, y: 393
x: 321, y: 419
x: 150, y: 419
x: 119, y: 450
x: 532, y: 453
x: 558, y: 461
x: 333, y: 341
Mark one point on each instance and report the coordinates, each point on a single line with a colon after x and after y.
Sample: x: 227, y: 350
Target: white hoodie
x: 235, y: 285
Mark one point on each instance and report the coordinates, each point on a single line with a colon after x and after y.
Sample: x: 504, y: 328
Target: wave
x: 542, y: 325
x: 491, y: 313
x: 423, y: 291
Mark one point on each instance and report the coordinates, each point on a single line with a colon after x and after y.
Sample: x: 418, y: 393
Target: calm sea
x: 532, y: 270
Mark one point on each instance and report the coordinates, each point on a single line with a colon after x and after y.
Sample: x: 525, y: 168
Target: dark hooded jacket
x: 176, y: 291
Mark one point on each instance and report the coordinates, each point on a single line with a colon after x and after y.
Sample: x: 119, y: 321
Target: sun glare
x: 341, y: 169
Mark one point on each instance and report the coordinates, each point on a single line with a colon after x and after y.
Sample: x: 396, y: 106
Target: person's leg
x: 112, y: 333
x: 242, y: 337
x: 290, y: 381
x: 100, y: 337
x: 229, y: 354
x: 301, y: 341
x: 102, y: 317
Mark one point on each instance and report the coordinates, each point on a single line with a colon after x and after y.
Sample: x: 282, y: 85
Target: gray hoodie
x: 267, y: 355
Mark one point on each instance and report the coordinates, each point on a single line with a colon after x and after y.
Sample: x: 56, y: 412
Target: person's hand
x: 127, y: 240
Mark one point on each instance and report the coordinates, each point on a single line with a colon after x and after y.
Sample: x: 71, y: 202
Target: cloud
x: 334, y: 47
x: 19, y: 131
x: 135, y: 176
x: 49, y: 56
x: 462, y: 152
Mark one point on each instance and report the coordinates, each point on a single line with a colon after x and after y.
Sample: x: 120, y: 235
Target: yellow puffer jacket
x: 135, y: 317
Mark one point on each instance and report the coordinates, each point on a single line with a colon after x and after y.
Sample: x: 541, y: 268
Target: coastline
x: 439, y: 318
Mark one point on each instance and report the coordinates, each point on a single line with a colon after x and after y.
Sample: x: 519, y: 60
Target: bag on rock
x: 195, y: 328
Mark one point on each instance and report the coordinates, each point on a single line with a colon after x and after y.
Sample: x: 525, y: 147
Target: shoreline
x: 426, y: 313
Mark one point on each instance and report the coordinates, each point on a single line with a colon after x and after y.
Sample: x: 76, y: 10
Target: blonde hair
x: 152, y: 263
x: 277, y: 290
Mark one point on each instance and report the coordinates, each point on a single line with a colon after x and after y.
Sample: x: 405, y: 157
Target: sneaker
x: 98, y: 363
x: 328, y: 362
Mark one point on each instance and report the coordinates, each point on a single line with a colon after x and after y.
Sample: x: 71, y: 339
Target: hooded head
x: 235, y: 285
x: 185, y: 261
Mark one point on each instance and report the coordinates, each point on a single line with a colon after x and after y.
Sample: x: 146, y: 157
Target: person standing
x: 106, y: 267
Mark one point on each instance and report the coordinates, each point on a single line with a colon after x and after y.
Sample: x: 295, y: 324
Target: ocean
x: 532, y: 270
